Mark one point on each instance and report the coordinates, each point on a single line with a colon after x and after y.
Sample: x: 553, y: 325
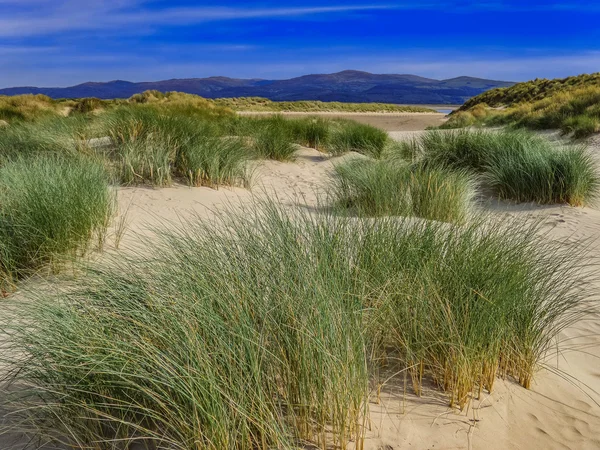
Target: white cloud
x: 68, y: 15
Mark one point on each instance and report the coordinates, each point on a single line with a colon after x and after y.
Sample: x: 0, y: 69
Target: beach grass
x: 517, y: 165
x: 267, y: 326
x: 272, y: 138
x: 350, y: 136
x: 259, y: 104
x: 28, y: 107
x: 153, y: 145
x: 376, y: 188
x: 50, y: 207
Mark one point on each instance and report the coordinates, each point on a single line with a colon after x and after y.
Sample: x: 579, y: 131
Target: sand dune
x: 562, y: 409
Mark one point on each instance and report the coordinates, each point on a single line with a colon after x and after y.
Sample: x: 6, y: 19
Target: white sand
x: 559, y: 412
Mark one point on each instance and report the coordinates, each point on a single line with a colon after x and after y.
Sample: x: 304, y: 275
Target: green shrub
x: 305, y: 309
x: 351, y: 136
x: 49, y: 207
x: 388, y: 188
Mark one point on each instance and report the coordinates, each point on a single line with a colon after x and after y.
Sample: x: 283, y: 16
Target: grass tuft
x: 377, y: 188
x: 517, y: 165
x: 273, y: 138
x: 50, y: 207
x: 349, y: 136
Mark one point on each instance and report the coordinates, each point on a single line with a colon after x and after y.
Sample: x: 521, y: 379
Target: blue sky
x: 64, y: 42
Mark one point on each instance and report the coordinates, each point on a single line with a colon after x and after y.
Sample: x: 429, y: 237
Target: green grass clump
x: 517, y: 165
x: 28, y: 107
x: 551, y: 175
x: 311, y: 132
x: 48, y: 136
x: 581, y: 126
x: 268, y: 327
x: 351, y: 136
x: 152, y: 145
x: 378, y: 188
x: 211, y: 159
x: 273, y: 138
x: 50, y: 207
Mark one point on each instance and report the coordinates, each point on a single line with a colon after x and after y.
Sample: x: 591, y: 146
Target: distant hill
x: 346, y: 86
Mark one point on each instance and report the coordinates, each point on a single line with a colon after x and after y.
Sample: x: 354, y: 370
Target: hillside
x: 531, y: 91
x: 346, y: 86
x: 570, y: 104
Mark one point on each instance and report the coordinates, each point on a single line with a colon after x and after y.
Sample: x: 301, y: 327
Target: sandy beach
x: 562, y: 409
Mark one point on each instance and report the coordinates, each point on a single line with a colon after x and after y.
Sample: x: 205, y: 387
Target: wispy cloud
x: 68, y: 15
x: 22, y: 18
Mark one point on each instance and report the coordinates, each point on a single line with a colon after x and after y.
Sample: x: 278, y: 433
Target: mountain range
x: 346, y: 86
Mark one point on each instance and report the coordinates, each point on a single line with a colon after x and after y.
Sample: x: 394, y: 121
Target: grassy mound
x: 27, y: 107
x: 569, y: 104
x: 531, y: 91
x: 268, y: 328
x: 384, y: 188
x: 50, y: 207
x: 519, y: 166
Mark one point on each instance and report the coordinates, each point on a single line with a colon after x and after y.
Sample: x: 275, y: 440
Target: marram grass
x: 348, y: 135
x: 50, y: 207
x: 387, y: 187
x: 154, y: 145
x: 517, y: 165
x: 264, y: 328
